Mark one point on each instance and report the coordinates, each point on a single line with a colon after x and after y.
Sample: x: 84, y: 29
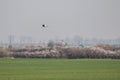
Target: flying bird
x: 43, y: 25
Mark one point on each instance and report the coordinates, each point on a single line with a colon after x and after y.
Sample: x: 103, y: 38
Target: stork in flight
x: 43, y: 25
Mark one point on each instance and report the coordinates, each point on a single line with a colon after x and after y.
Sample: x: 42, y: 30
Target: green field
x: 59, y: 69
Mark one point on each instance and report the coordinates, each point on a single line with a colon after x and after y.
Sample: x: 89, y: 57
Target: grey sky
x: 65, y: 18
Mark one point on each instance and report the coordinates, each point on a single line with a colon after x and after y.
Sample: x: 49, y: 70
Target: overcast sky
x: 65, y: 18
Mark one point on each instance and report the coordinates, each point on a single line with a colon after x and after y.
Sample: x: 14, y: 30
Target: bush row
x: 72, y: 53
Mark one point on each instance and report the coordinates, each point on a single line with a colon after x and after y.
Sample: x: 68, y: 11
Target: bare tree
x: 10, y: 39
x: 51, y: 44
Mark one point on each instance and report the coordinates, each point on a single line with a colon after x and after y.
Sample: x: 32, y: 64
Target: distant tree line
x: 55, y: 51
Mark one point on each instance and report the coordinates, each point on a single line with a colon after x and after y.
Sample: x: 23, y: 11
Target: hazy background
x: 65, y: 18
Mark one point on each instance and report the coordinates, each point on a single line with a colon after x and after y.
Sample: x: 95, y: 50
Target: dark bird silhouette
x: 43, y: 25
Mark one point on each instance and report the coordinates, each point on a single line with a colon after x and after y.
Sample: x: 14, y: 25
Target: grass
x: 59, y: 69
